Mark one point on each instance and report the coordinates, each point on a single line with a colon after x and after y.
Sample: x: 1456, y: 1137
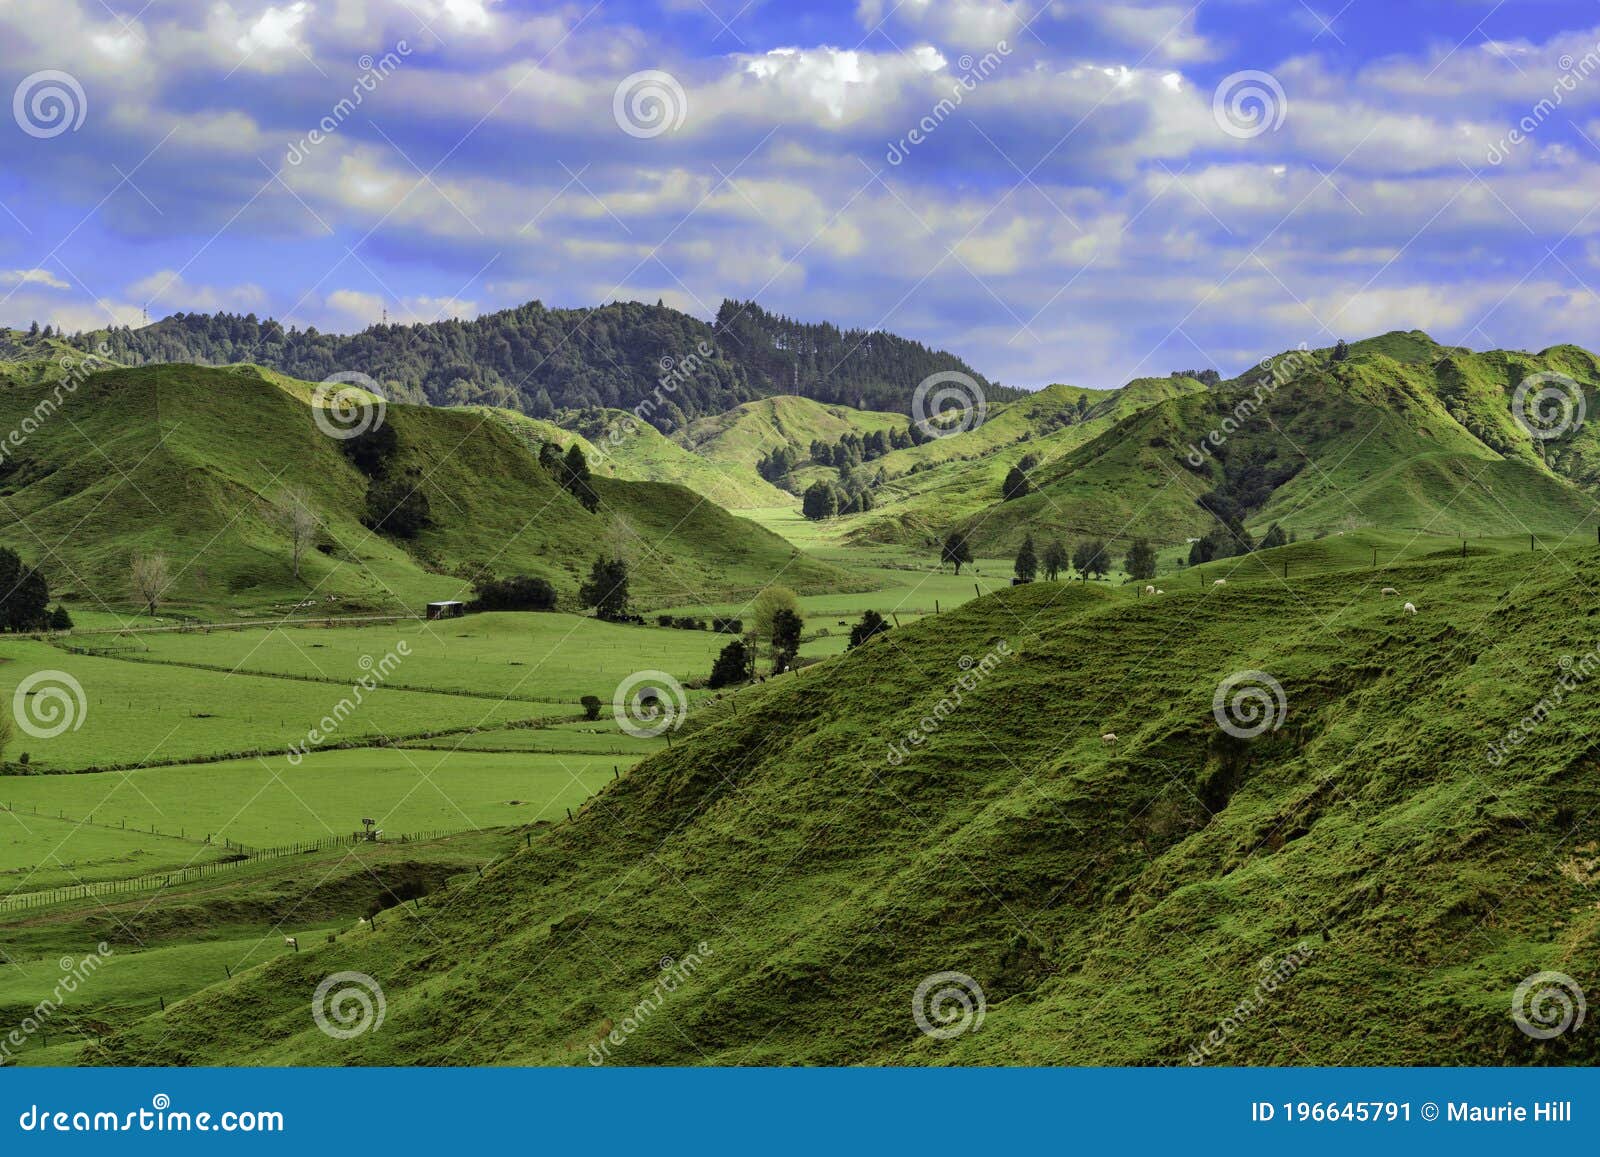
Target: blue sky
x: 1054, y: 189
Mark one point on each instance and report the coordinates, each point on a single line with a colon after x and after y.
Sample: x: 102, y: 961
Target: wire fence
x: 157, y: 881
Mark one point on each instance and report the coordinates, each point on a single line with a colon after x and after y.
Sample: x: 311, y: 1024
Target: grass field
x: 268, y: 802
x: 40, y: 850
x: 137, y: 713
x: 167, y: 945
x: 543, y: 658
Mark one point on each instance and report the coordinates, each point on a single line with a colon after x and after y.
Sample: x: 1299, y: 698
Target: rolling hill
x: 185, y: 460
x: 1426, y: 441
x: 803, y: 884
x: 942, y: 481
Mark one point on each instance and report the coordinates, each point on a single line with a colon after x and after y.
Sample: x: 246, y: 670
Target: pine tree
x: 1027, y: 565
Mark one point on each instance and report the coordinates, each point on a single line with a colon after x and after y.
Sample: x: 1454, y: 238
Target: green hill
x: 947, y: 479
x: 1116, y: 904
x: 184, y: 460
x: 740, y: 437
x: 1427, y: 444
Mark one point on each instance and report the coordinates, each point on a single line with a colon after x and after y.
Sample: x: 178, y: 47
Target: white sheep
x: 1149, y: 590
x: 1109, y: 739
x: 291, y: 942
x: 1160, y: 592
x: 1410, y: 608
x: 1220, y: 583
x: 1390, y: 591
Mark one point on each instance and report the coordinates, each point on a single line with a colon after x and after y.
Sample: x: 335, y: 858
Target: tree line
x: 542, y: 361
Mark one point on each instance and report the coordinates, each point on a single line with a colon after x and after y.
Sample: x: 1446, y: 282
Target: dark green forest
x: 541, y: 361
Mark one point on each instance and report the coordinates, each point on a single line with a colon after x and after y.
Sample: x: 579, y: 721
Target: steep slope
x: 1114, y: 904
x: 185, y: 460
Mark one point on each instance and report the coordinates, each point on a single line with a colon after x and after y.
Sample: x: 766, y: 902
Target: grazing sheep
x: 1220, y: 583
x: 1410, y: 608
x: 1160, y: 592
x: 1390, y: 591
x: 1109, y: 739
x: 1149, y: 590
x: 291, y: 942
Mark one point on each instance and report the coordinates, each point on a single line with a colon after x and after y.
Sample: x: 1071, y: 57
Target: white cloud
x: 32, y: 277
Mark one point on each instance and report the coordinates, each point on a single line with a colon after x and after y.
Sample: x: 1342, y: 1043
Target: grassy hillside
x: 619, y: 445
x: 1114, y: 904
x: 185, y: 460
x: 743, y: 434
x: 1424, y: 444
x: 942, y: 481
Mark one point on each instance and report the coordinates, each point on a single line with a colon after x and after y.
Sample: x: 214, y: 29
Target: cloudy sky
x: 1057, y: 190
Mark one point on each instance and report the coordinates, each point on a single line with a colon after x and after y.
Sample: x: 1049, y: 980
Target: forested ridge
x: 542, y: 361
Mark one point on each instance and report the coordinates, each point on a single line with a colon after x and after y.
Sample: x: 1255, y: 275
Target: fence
x: 159, y: 880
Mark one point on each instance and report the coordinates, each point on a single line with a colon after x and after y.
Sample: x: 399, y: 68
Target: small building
x: 449, y: 609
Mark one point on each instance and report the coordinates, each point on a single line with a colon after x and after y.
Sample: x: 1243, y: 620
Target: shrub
x: 591, y: 707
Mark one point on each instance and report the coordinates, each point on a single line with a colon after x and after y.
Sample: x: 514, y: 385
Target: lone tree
x: 821, y: 500
x: 1341, y: 351
x: 1027, y: 561
x: 956, y: 550
x: 1016, y: 484
x: 591, y: 707
x: 607, y: 590
x: 1089, y: 558
x: 575, y: 477
x: 734, y: 665
x: 1141, y: 561
x: 1055, y: 559
x: 786, y: 628
x: 1274, y: 537
x: 150, y: 579
x: 24, y: 595
x: 871, y: 625
x: 764, y: 610
x: 291, y: 511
